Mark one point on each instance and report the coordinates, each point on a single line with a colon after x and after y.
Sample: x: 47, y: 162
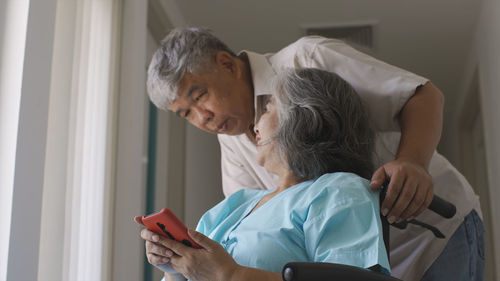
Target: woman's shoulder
x: 342, y: 186
x: 341, y: 180
x: 237, y: 199
x: 232, y: 205
x: 244, y: 195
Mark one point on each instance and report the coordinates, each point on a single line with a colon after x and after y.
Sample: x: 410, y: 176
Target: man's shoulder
x: 305, y: 43
x: 303, y: 48
x: 312, y: 40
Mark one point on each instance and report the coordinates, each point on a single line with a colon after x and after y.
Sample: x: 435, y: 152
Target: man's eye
x: 200, y: 96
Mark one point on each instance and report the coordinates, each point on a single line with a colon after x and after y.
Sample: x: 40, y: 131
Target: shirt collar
x: 263, y: 75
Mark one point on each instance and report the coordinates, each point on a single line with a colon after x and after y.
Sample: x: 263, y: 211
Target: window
x: 12, y: 37
x: 59, y: 119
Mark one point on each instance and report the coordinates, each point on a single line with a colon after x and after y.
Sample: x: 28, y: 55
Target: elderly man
x: 199, y: 78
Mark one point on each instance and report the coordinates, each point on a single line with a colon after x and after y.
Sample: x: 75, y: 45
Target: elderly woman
x: 315, y: 136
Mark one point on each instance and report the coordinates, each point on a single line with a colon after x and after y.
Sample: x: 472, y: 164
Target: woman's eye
x: 267, y: 107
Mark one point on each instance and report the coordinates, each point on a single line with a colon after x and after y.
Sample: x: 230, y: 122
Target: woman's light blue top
x: 334, y: 218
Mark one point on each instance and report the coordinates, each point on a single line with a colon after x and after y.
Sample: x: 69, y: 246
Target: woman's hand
x: 410, y: 189
x: 210, y: 263
x: 155, y: 252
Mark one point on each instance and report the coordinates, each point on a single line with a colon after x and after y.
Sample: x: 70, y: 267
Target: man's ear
x: 226, y: 62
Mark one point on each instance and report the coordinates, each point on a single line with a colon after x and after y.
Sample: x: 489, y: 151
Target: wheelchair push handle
x: 442, y: 207
x: 438, y: 205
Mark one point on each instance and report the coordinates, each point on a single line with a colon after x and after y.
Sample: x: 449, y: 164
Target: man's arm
x: 410, y: 189
x: 421, y: 124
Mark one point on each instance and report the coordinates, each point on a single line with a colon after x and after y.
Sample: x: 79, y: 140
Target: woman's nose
x: 256, y: 128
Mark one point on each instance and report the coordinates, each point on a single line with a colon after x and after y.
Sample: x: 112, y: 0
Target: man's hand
x: 410, y: 189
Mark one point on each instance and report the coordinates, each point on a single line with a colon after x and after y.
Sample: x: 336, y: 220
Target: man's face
x: 219, y: 102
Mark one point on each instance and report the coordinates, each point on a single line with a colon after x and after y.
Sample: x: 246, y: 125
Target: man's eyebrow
x: 192, y: 90
x: 189, y: 93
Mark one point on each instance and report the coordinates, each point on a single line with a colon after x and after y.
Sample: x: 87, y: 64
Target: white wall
x: 203, y: 174
x: 485, y: 58
x: 488, y: 54
x: 131, y: 144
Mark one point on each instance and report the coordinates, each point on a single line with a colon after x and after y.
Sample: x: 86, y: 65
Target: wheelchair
x: 318, y: 271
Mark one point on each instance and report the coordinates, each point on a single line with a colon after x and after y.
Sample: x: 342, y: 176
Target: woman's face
x: 265, y: 131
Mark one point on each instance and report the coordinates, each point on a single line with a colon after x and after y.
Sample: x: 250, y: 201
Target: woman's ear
x: 226, y: 62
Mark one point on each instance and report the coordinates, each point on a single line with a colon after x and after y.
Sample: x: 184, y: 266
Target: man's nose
x: 203, y: 116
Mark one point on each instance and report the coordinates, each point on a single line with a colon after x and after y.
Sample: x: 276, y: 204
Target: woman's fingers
x: 155, y: 252
x: 176, y: 247
x: 156, y: 259
x: 202, y: 240
x: 158, y: 249
x: 149, y: 235
x: 138, y: 219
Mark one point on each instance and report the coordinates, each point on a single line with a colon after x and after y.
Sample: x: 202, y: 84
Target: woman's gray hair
x: 183, y: 50
x: 323, y: 126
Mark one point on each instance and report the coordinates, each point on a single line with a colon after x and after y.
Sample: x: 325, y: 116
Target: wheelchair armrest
x: 319, y: 271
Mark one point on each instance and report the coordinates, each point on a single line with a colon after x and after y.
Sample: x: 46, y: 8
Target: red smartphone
x: 165, y: 223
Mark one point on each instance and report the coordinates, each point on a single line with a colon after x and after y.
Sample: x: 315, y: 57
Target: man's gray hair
x: 183, y: 50
x: 323, y: 126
